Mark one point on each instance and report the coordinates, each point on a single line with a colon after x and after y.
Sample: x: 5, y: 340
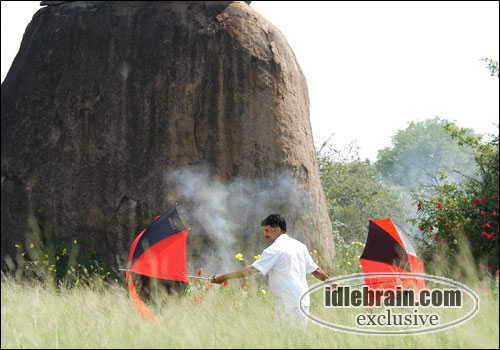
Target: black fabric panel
x: 168, y: 224
x: 381, y: 247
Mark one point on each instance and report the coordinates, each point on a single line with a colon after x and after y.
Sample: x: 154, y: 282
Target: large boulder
x: 113, y: 111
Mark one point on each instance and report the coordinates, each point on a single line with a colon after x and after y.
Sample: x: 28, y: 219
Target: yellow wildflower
x: 74, y: 241
x: 31, y: 245
x: 262, y: 292
x: 18, y: 246
x: 64, y: 252
x: 69, y: 272
x: 315, y: 251
x: 256, y: 257
x: 239, y: 256
x: 23, y: 254
x: 116, y: 280
x: 36, y: 263
x: 58, y: 257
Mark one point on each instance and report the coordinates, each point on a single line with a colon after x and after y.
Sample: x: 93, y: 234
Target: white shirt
x: 288, y: 262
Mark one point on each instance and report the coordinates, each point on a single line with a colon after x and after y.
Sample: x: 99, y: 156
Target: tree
x: 447, y: 210
x: 492, y: 66
x: 419, y: 151
x: 355, y: 192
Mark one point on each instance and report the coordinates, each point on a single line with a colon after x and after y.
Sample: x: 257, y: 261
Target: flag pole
x: 201, y: 278
x: 197, y: 277
x: 378, y: 282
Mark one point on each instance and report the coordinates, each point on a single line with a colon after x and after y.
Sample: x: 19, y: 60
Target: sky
x: 371, y: 67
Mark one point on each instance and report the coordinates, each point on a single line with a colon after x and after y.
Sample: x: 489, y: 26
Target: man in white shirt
x: 288, y: 262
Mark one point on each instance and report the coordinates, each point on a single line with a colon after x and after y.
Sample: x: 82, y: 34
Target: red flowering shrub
x: 469, y: 207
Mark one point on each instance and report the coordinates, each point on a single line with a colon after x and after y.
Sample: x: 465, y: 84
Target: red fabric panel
x: 370, y: 266
x: 417, y: 266
x: 388, y: 226
x: 137, y: 303
x: 132, y: 249
x: 166, y: 259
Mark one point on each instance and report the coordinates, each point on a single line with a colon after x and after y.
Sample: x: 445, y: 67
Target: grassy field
x: 34, y: 316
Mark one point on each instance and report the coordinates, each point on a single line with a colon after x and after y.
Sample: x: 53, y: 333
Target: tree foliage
x: 470, y: 208
x: 355, y: 192
x: 492, y: 66
x: 420, y: 150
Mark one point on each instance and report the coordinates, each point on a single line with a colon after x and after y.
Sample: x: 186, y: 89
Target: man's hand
x: 218, y: 279
x: 244, y: 272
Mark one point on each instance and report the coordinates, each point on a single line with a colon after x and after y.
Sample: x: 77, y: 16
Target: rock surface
x: 105, y: 99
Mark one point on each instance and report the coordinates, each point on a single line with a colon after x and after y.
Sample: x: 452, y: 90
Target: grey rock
x: 105, y: 99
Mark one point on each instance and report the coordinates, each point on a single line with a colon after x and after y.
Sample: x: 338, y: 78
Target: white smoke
x: 225, y: 216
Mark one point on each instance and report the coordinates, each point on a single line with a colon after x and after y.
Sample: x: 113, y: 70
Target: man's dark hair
x: 275, y: 220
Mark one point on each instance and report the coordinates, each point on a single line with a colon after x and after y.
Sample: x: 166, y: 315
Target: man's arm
x: 322, y: 276
x: 244, y: 272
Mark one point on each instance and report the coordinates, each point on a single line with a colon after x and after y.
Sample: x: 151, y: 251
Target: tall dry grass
x: 36, y: 316
x: 41, y: 315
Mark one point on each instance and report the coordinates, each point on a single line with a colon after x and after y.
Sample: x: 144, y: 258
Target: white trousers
x: 292, y: 316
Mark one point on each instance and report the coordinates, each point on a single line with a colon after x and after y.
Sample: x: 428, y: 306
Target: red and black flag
x: 159, y: 251
x: 388, y: 249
